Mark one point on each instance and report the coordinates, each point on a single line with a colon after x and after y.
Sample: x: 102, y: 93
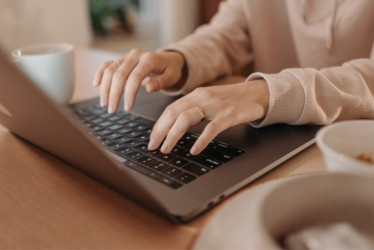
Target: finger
x: 106, y: 83
x: 184, y: 121
x: 99, y: 73
x: 166, y: 120
x: 147, y: 64
x: 164, y: 80
x: 119, y: 81
x: 118, y: 78
x: 160, y: 129
x: 116, y: 88
x: 209, y: 133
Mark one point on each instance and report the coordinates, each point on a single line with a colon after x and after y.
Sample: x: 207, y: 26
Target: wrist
x: 178, y: 61
x: 261, y: 88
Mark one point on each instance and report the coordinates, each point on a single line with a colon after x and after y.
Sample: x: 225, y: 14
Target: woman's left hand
x: 225, y: 106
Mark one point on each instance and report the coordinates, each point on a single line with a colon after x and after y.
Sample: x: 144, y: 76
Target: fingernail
x: 165, y: 147
x: 150, y: 88
x: 102, y: 102
x: 94, y: 83
x: 195, y: 150
x: 151, y: 145
x: 111, y: 109
x: 127, y: 106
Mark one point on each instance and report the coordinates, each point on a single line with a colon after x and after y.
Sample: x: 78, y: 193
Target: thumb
x: 164, y: 80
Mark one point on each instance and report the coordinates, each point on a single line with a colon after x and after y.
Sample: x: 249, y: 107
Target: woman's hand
x: 225, y: 106
x: 163, y: 67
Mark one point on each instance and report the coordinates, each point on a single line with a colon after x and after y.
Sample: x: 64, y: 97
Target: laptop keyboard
x: 127, y: 136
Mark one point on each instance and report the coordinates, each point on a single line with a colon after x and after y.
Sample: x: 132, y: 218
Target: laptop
x: 112, y: 148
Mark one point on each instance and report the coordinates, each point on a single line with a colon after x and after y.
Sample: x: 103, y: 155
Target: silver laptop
x: 112, y: 148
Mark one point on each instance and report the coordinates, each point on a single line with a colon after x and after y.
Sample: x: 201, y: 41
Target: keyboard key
x: 172, y: 171
x: 124, y: 131
x: 132, y: 124
x: 131, y: 117
x: 96, y: 128
x: 113, y: 136
x: 186, y: 154
x: 148, y: 131
x: 224, y: 148
x: 104, y: 132
x: 178, y: 151
x: 105, y: 116
x: 89, y: 125
x: 106, y: 124
x: 178, y: 162
x: 196, y: 169
x: 189, y: 137
x: 165, y: 157
x: 114, y: 118
x: 132, y: 144
x: 143, y: 170
x: 133, y: 134
x: 100, y: 138
x: 81, y: 113
x: 184, y: 144
x: 169, y: 182
x: 142, y: 147
x: 185, y: 178
x: 194, y: 136
x: 94, y: 111
x: 159, y: 166
x: 124, y: 151
x: 122, y: 121
x: 135, y: 156
x: 122, y: 139
x: 217, y: 155
x: 141, y: 128
x: 148, y: 161
x: 154, y: 153
x: 115, y: 127
x: 181, y: 152
x: 143, y: 138
x: 206, y: 161
x: 89, y: 118
x: 106, y: 142
x: 97, y: 121
x: 154, y: 175
x: 114, y: 146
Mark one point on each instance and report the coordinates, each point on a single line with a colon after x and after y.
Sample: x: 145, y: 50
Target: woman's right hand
x: 165, y: 69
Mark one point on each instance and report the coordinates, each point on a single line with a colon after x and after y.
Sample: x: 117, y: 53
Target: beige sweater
x: 317, y: 56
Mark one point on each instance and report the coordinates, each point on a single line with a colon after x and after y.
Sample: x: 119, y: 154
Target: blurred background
x: 116, y: 25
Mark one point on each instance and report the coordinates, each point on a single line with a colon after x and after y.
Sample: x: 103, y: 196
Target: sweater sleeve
x: 301, y: 96
x: 217, y: 48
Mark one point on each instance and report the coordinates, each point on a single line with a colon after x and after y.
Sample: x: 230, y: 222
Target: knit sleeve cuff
x: 192, y: 74
x: 286, y: 101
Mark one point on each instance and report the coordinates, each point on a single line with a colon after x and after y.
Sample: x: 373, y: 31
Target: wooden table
x: 45, y: 203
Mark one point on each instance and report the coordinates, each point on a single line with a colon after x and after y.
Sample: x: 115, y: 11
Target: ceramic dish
x: 342, y: 142
x: 259, y: 217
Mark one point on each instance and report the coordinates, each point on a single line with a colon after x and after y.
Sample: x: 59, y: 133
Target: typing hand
x: 127, y: 74
x: 225, y: 106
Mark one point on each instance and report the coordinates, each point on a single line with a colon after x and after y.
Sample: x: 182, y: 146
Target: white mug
x: 50, y: 66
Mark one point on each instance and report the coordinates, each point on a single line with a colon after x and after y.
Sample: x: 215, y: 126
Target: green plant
x: 103, y: 10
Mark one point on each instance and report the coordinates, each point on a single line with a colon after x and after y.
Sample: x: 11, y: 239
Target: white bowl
x: 259, y: 217
x: 342, y: 142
